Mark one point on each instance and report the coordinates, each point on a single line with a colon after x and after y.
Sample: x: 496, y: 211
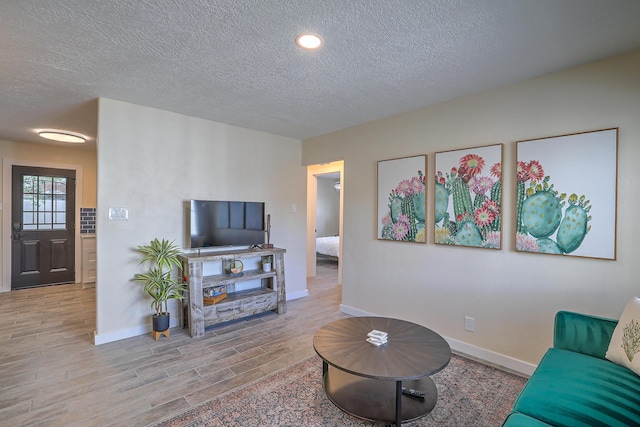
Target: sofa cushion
x: 583, y: 333
x: 573, y: 389
x: 624, y: 348
x: 521, y: 420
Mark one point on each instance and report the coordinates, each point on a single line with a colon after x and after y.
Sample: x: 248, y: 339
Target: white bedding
x: 328, y: 245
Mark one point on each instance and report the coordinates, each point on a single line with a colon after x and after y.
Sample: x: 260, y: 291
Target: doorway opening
x: 42, y: 226
x: 7, y: 218
x: 325, y: 189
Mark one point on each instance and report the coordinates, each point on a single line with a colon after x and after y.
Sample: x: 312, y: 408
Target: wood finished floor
x: 51, y: 373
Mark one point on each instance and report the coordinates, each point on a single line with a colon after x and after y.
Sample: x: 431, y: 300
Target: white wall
x: 512, y: 296
x: 151, y: 161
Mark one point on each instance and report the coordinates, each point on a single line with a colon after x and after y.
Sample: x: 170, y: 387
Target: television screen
x: 225, y: 223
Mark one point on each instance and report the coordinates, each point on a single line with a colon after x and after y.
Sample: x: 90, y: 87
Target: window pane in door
x: 44, y: 202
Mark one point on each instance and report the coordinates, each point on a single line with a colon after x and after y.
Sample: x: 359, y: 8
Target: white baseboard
x: 131, y: 332
x: 141, y: 330
x: 508, y: 362
x: 489, y: 356
x: 120, y: 335
x: 354, y: 311
x: 296, y: 295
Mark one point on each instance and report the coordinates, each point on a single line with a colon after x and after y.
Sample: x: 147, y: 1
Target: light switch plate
x: 118, y: 214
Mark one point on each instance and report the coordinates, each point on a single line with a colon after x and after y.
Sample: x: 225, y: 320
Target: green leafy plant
x: 267, y: 259
x: 162, y: 256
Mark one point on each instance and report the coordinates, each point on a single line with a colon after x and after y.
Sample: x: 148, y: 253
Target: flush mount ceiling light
x: 309, y: 41
x: 62, y: 136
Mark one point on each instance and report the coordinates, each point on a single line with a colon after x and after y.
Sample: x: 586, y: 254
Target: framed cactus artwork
x: 468, y: 197
x: 402, y: 199
x: 566, y: 194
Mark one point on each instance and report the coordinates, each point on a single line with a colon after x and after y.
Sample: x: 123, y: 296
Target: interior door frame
x: 5, y: 209
x: 312, y: 199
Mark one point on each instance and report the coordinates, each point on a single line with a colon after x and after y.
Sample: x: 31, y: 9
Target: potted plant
x: 266, y: 263
x: 158, y: 283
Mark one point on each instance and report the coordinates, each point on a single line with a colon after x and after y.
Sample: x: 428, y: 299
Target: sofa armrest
x: 583, y: 333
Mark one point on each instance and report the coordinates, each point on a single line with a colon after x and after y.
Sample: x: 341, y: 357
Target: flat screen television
x: 225, y: 223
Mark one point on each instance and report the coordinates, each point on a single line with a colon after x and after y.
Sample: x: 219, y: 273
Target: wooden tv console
x: 270, y: 295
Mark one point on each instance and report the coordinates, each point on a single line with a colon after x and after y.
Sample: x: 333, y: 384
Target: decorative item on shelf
x: 266, y: 263
x: 214, y: 295
x: 214, y: 299
x: 158, y: 282
x: 268, y: 245
x: 235, y: 268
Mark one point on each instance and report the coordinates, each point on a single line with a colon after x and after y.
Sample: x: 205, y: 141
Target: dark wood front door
x: 42, y: 226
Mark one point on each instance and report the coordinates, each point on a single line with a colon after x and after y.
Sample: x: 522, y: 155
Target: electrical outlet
x: 469, y: 324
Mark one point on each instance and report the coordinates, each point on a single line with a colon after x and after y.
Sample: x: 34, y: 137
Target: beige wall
x: 512, y: 296
x: 152, y: 162
x: 42, y: 155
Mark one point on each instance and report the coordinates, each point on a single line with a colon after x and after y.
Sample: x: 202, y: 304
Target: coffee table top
x: 411, y: 352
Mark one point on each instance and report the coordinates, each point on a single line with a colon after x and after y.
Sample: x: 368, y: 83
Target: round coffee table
x: 367, y: 381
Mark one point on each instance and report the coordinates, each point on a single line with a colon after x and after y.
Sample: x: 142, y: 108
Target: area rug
x: 469, y: 394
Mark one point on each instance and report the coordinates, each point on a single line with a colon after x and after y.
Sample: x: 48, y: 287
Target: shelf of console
x: 226, y: 279
x: 241, y: 304
x: 270, y: 296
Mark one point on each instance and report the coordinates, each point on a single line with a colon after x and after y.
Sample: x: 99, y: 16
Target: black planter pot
x: 161, y: 322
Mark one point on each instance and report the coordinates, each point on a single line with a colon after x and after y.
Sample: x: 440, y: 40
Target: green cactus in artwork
x: 452, y: 226
x: 442, y: 202
x: 387, y: 232
x: 469, y: 234
x: 539, y: 213
x: 419, y: 203
x: 496, y: 196
x: 395, y: 207
x: 548, y: 246
x: 407, y: 208
x: 542, y: 209
x: 406, y: 216
x: 631, y: 339
x: 574, y: 226
x: 520, y: 195
x: 462, y: 203
x: 478, y: 200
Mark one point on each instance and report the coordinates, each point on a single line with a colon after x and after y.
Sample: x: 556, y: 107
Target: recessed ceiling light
x: 62, y: 136
x: 309, y: 41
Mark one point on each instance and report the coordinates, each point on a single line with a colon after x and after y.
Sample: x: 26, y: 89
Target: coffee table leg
x: 398, y: 403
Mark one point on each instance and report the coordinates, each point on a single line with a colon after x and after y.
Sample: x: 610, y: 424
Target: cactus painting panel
x: 402, y: 199
x: 468, y: 197
x: 566, y: 189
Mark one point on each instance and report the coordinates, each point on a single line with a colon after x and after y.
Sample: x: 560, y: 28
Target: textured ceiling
x: 234, y: 61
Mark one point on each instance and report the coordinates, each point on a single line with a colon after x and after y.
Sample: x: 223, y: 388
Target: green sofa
x: 574, y: 385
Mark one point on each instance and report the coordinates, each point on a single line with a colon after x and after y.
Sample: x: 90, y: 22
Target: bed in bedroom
x: 328, y: 248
